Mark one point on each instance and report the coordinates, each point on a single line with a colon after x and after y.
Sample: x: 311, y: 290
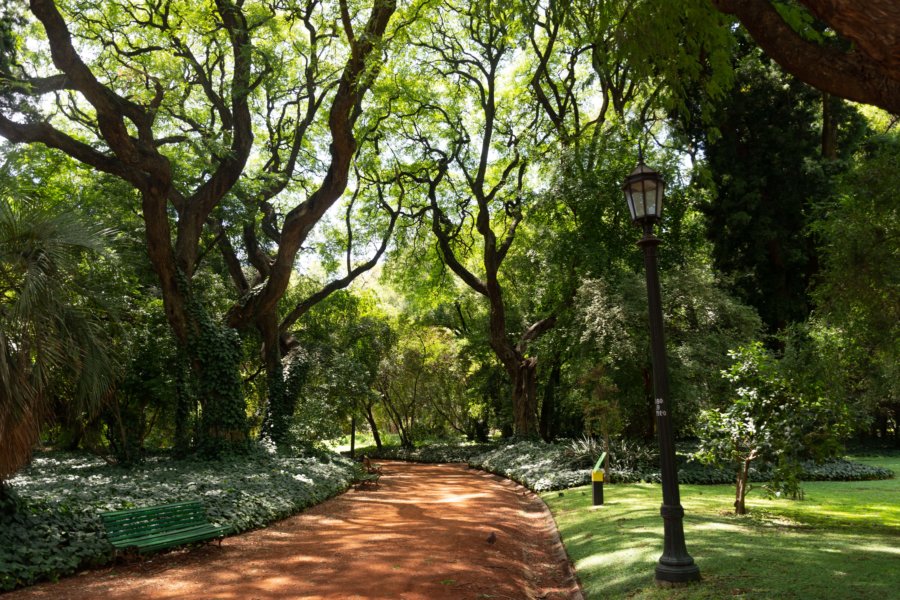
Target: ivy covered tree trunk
x: 210, y: 383
x: 279, y: 409
x: 185, y: 407
x: 286, y: 375
x: 215, y: 357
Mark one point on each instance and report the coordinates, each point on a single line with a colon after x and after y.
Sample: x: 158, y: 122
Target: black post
x: 675, y: 565
x: 597, y: 492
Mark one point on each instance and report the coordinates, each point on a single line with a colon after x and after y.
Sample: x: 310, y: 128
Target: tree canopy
x: 407, y: 217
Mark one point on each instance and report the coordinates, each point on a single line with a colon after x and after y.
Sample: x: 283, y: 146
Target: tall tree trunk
x: 829, y: 127
x: 373, y: 426
x: 743, y: 477
x: 525, y: 398
x: 174, y: 275
x: 548, y: 406
x: 210, y: 349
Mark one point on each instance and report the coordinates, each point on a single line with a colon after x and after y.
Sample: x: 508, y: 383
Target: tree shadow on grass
x: 615, y: 552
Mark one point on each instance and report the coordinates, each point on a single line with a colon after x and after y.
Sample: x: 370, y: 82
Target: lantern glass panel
x: 629, y: 197
x: 640, y: 198
x: 660, y: 193
x: 650, y: 203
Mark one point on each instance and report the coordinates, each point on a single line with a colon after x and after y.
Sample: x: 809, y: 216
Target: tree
x: 344, y: 340
x: 422, y: 386
x: 702, y: 323
x: 768, y: 420
x: 857, y: 316
x: 198, y: 82
x: 402, y: 384
x: 472, y: 194
x: 52, y: 342
x: 856, y: 59
x: 369, y: 340
x: 524, y: 84
x: 767, y: 169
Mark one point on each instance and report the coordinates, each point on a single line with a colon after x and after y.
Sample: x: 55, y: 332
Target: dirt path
x: 422, y: 534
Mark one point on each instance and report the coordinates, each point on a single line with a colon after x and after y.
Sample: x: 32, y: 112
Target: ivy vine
x: 284, y: 390
x: 214, y: 350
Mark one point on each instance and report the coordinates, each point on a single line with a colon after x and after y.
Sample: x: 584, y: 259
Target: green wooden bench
x: 159, y: 527
x: 370, y: 473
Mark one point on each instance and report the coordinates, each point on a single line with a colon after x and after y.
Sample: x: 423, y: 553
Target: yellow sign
x: 597, y: 475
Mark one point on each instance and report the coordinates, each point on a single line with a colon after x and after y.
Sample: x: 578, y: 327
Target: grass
x: 364, y: 442
x: 841, y: 541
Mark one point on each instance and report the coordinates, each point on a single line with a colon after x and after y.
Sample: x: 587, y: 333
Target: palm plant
x: 50, y: 339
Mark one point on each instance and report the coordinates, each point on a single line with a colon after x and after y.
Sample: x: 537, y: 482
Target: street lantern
x: 644, y: 189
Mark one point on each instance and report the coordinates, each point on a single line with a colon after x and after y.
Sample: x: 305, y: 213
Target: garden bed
x: 542, y: 467
x: 54, y: 528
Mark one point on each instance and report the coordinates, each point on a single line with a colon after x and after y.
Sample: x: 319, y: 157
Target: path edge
x: 560, y: 550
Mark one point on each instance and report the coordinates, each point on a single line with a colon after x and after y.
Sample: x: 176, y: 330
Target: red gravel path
x: 420, y: 535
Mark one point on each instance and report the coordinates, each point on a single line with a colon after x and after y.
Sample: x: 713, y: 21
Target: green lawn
x: 363, y: 440
x: 842, y: 541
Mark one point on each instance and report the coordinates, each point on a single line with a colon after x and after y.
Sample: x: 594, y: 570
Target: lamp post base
x: 675, y: 566
x: 672, y: 575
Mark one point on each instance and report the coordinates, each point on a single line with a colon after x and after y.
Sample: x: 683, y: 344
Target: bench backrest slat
x: 151, y: 509
x: 153, y: 519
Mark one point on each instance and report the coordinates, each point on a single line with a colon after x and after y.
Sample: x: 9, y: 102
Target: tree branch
x: 341, y: 283
x: 854, y: 75
x: 342, y: 118
x: 49, y: 136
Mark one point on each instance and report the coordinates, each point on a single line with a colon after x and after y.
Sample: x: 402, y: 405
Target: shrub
x: 536, y: 465
x: 583, y: 452
x: 633, y: 455
x: 433, y: 453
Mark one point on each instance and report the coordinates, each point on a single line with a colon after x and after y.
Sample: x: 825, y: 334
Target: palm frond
x: 46, y: 334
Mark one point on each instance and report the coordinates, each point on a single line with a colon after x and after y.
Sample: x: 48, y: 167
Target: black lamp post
x: 644, y: 190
